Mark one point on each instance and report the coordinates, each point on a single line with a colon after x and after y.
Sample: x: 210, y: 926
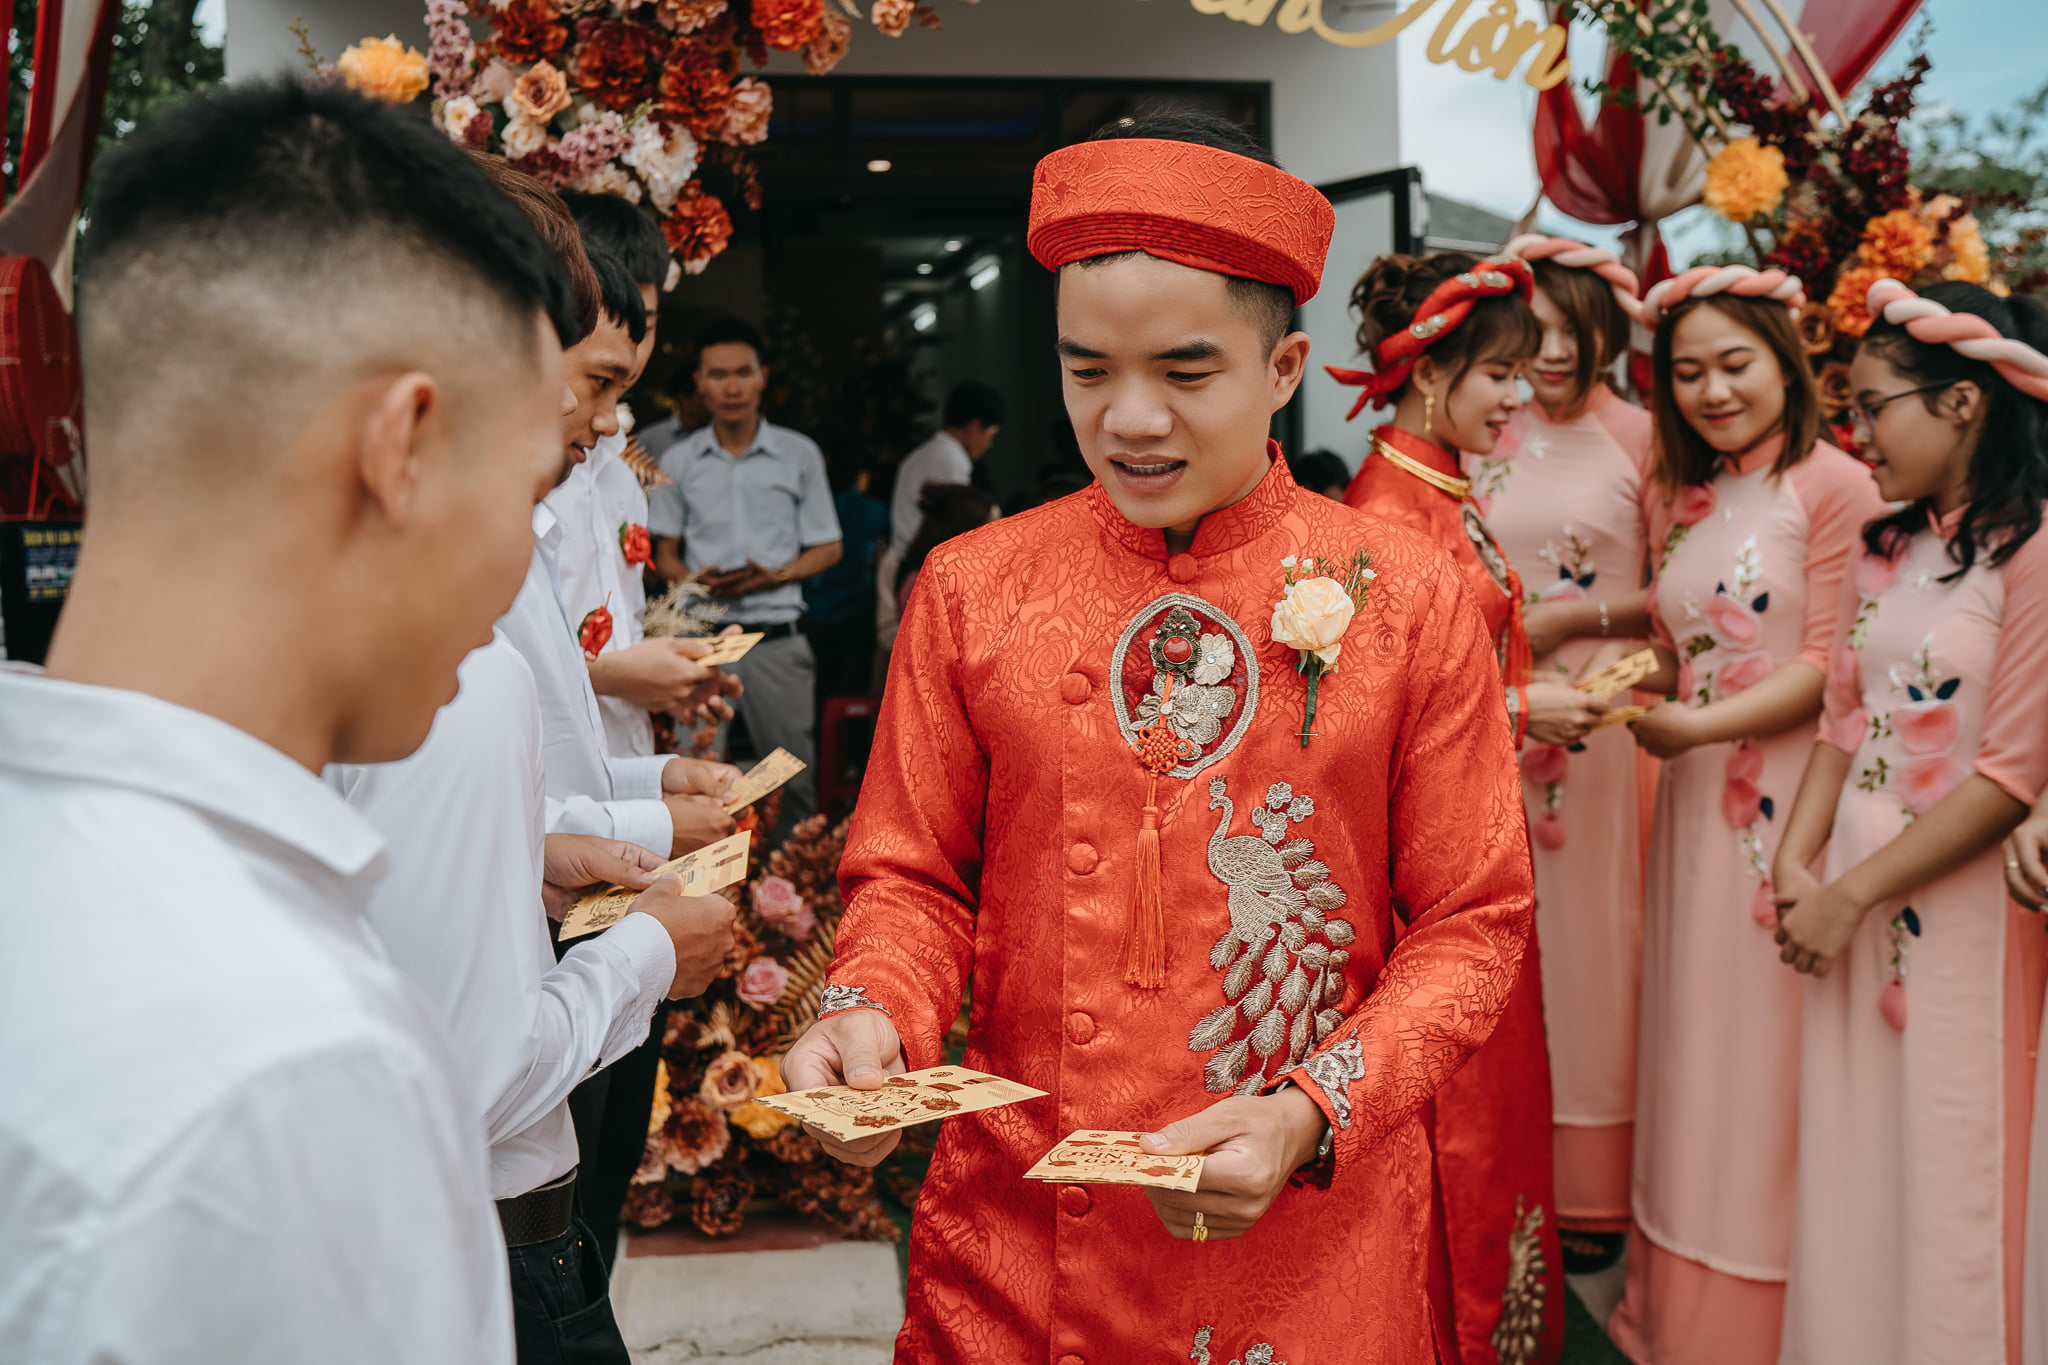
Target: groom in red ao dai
x: 1330, y: 927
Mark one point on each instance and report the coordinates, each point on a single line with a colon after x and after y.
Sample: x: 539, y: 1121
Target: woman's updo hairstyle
x: 1395, y: 287
x: 2009, y: 468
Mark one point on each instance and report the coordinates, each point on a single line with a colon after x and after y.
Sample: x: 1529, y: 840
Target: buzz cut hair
x: 264, y: 244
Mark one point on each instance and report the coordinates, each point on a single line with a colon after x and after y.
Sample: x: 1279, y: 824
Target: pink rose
x: 1745, y: 764
x: 763, y: 982
x: 1544, y: 764
x: 1922, y: 782
x: 1694, y: 502
x: 1845, y: 674
x: 1743, y: 672
x: 1846, y: 732
x: 1548, y: 831
x: 1562, y: 590
x: 1875, y: 573
x: 1735, y: 625
x: 1741, y: 803
x: 1763, y: 907
x: 777, y: 900
x: 1926, y: 727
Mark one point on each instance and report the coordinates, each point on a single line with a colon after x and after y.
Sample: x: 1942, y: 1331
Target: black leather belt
x: 540, y: 1215
x: 781, y: 631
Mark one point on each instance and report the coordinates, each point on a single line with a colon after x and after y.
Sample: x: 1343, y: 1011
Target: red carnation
x: 789, y: 24
x: 615, y: 63
x: 635, y: 544
x: 695, y: 87
x: 595, y: 633
x: 526, y: 31
x: 698, y: 228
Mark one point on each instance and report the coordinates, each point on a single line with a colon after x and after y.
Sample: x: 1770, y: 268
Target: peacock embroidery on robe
x: 1283, y: 957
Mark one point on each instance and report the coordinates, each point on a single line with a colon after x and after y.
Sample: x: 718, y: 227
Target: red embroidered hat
x: 1192, y: 205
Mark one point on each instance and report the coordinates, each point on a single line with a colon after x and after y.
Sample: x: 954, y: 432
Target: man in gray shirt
x: 748, y: 511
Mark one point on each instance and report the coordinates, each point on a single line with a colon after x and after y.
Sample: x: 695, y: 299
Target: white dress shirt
x: 229, y: 1129
x: 461, y: 915
x: 939, y: 460
x: 588, y: 790
x: 595, y: 504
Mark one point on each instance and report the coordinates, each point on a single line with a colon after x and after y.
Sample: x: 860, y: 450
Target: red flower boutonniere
x: 636, y: 544
x: 595, y: 632
x: 1313, y: 613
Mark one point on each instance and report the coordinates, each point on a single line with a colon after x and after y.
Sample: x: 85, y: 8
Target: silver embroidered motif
x: 1334, y: 1071
x: 1260, y: 1354
x: 1489, y: 554
x: 1282, y: 956
x: 1199, y: 711
x: 837, y: 998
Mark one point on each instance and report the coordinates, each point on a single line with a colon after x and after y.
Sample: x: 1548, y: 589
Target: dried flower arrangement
x: 712, y: 1149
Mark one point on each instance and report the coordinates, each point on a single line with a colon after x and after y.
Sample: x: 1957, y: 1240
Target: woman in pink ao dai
x: 1925, y: 998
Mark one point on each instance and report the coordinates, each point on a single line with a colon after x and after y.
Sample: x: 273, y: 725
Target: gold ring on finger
x: 1201, y: 1232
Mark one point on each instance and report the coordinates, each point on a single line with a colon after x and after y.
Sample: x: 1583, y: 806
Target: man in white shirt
x: 462, y: 916
x: 974, y: 413
x: 230, y: 1130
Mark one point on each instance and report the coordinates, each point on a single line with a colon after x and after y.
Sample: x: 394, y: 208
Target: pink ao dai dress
x: 1916, y: 1094
x: 1748, y: 578
x: 1565, y: 502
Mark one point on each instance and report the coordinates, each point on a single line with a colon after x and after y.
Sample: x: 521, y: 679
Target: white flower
x: 1313, y: 617
x: 665, y: 160
x: 625, y: 420
x: 1289, y: 562
x: 1367, y: 574
x: 456, y: 116
x: 609, y: 179
x: 523, y: 137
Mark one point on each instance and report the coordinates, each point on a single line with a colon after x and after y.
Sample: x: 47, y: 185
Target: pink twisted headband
x: 1532, y: 246
x: 2025, y: 368
x: 1739, y: 280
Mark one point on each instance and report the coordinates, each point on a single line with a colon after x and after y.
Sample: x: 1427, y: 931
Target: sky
x: 1470, y: 133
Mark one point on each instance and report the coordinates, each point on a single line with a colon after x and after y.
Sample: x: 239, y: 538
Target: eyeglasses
x: 1863, y: 416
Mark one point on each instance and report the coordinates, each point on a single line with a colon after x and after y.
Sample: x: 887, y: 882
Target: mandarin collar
x: 82, y: 732
x: 1762, y: 455
x: 1220, y: 532
x: 1422, y: 450
x: 1600, y: 396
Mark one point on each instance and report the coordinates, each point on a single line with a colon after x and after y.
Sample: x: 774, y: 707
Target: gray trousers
x: 779, y: 708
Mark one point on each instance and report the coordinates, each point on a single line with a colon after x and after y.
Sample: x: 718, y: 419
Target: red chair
x: 844, y: 737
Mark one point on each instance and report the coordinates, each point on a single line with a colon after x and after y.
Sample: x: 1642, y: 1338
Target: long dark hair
x: 2009, y: 467
x: 1684, y: 459
x: 1594, y: 315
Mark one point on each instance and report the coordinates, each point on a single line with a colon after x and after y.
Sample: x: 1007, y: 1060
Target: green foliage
x: 1998, y: 163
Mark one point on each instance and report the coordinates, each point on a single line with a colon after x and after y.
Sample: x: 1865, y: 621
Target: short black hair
x: 1319, y: 469
x: 618, y: 289
x: 1270, y: 307
x: 730, y: 331
x: 972, y: 401
x: 285, y: 168
x: 624, y: 230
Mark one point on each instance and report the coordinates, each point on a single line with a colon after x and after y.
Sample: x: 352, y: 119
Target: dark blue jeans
x: 561, y: 1303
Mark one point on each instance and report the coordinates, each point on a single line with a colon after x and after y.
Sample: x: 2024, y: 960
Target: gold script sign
x: 1496, y: 41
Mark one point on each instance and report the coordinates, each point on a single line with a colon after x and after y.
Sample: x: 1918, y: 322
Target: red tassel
x: 1145, y: 942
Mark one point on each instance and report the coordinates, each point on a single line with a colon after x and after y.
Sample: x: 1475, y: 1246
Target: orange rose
x: 1900, y: 242
x: 541, y: 93
x: 384, y: 69
x: 1744, y: 179
x: 1972, y: 258
x: 755, y: 1119
x: 1851, y: 299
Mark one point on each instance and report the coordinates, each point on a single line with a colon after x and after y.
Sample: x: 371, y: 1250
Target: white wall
x: 1333, y: 108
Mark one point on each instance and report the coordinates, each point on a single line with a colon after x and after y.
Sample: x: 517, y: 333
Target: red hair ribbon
x: 1442, y: 313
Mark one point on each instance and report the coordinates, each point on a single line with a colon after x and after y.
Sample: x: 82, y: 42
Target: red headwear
x: 1182, y: 202
x: 1442, y: 313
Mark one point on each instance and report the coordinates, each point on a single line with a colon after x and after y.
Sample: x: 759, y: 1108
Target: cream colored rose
x: 1314, y: 616
x: 456, y: 116
x: 524, y: 137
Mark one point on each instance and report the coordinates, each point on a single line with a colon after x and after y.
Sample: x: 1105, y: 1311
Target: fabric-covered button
x: 1082, y: 859
x: 1181, y: 568
x: 1074, y: 1202
x: 1071, y: 1359
x: 1080, y: 1027
x: 1075, y: 688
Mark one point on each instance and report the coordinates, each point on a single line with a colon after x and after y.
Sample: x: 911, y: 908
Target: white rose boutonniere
x: 1315, y: 609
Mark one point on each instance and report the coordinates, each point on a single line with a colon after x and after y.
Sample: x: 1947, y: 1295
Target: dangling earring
x: 1429, y: 414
